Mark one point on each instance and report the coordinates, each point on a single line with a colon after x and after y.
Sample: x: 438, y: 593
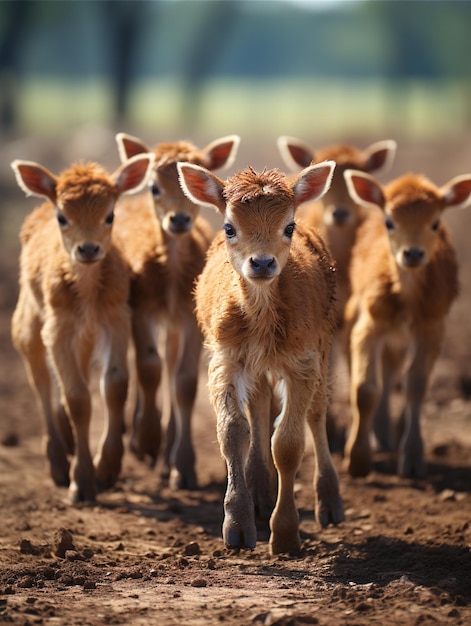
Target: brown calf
x: 72, y: 311
x: 404, y: 280
x: 265, y: 303
x: 165, y: 240
x: 336, y: 214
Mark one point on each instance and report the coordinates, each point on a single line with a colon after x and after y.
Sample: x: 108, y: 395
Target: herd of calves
x: 326, y: 254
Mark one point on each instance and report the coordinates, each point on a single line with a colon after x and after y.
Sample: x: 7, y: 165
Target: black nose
x: 180, y: 223
x: 413, y: 256
x: 262, y: 264
x: 180, y: 220
x: 340, y: 215
x: 88, y: 252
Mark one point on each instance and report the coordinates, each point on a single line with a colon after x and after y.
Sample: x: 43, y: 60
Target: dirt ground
x: 146, y: 555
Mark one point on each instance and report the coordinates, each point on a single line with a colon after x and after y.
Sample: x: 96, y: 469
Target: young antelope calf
x: 265, y: 303
x: 165, y: 240
x: 404, y: 281
x: 336, y: 214
x: 72, y: 310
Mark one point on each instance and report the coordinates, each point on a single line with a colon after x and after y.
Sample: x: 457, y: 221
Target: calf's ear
x: 364, y: 189
x: 457, y: 192
x: 221, y: 153
x: 313, y: 182
x: 133, y: 175
x: 129, y: 146
x: 201, y: 186
x: 294, y: 152
x: 379, y: 156
x: 35, y: 180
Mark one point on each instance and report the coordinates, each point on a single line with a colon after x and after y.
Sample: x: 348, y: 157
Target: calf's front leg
x: 114, y: 386
x: 411, y: 461
x: 233, y: 431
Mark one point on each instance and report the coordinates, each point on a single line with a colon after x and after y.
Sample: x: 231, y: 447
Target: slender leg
x: 392, y: 360
x: 328, y: 506
x: 146, y: 432
x: 183, y: 388
x: 233, y: 432
x: 26, y: 334
x: 114, y: 385
x: 364, y: 394
x: 287, y: 448
x: 411, y: 454
x: 260, y: 471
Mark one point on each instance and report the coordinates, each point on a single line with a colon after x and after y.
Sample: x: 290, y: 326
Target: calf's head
x: 84, y: 197
x: 339, y: 209
x: 258, y: 212
x: 174, y: 210
x: 413, y: 207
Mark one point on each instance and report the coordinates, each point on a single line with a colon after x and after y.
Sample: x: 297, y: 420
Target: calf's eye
x: 61, y: 219
x: 289, y: 230
x: 155, y: 189
x: 435, y: 225
x: 389, y: 224
x: 109, y: 218
x: 229, y: 230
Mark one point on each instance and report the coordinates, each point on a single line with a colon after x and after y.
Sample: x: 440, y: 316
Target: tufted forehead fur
x: 247, y: 186
x: 411, y: 191
x: 169, y: 153
x: 344, y: 155
x: 87, y: 184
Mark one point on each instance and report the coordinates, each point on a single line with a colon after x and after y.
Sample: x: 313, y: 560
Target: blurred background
x: 323, y: 70
x: 73, y: 73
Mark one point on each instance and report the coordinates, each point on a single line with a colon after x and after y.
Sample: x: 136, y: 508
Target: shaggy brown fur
x: 265, y: 303
x: 72, y: 311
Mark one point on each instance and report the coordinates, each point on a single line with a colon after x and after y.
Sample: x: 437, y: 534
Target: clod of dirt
x: 26, y: 547
x: 63, y: 542
x: 10, y: 440
x: 192, y: 549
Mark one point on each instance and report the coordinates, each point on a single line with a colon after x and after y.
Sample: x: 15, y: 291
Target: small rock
x: 192, y: 549
x: 26, y: 547
x: 89, y: 584
x: 63, y: 542
x: 10, y: 440
x: 199, y: 582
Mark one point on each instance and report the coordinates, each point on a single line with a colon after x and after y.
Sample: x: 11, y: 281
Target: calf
x: 72, y: 311
x: 404, y: 281
x: 336, y: 214
x: 165, y: 240
x: 265, y: 303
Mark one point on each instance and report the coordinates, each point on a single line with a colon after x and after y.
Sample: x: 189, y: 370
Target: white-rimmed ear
x: 129, y: 146
x: 221, y: 153
x: 201, y: 186
x: 379, y: 156
x: 364, y: 189
x: 34, y: 179
x: 133, y: 175
x: 313, y: 182
x: 457, y: 192
x: 294, y: 152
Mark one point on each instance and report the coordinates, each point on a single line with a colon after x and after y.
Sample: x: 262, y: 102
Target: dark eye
x: 289, y: 230
x: 109, y: 218
x: 61, y: 219
x: 435, y: 225
x: 155, y: 189
x: 389, y: 223
x: 230, y: 231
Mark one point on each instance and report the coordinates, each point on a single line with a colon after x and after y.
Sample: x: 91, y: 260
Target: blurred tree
x: 16, y: 20
x: 124, y: 22
x: 211, y: 35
